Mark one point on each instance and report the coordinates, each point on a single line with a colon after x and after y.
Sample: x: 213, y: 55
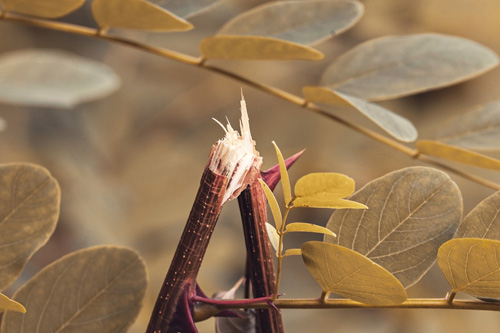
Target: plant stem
x: 451, y: 296
x: 280, y: 254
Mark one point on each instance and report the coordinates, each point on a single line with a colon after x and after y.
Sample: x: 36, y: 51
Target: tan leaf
x: 478, y: 129
x: 273, y: 204
x: 274, y: 238
x: 471, y: 265
x: 457, y: 154
x: 325, y: 190
x: 99, y: 289
x: 136, y: 14
x: 394, y: 124
x: 483, y: 221
x: 186, y: 8
x: 45, y: 8
x: 350, y: 274
x: 29, y: 209
x: 253, y: 47
x: 411, y: 212
x: 10, y: 305
x: 391, y: 67
x: 285, y: 180
x: 308, y: 227
x: 304, y: 22
x: 292, y: 252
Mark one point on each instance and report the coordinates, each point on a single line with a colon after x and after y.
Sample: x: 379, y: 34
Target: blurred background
x: 129, y: 164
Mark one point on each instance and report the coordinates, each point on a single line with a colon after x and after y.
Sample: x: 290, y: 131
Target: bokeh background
x: 129, y: 164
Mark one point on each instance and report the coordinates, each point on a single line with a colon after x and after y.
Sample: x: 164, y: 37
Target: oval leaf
x: 392, y: 67
x: 397, y: 126
x: 457, y: 154
x: 274, y: 238
x: 253, y: 47
x: 304, y: 22
x: 471, y: 266
x: 45, y: 8
x: 8, y: 304
x: 186, y: 8
x: 136, y: 14
x: 292, y: 252
x: 351, y: 275
x: 273, y: 204
x: 99, y: 289
x: 411, y: 212
x: 325, y: 190
x: 29, y: 210
x: 285, y: 180
x: 478, y: 129
x: 483, y: 221
x: 52, y: 78
x: 308, y: 227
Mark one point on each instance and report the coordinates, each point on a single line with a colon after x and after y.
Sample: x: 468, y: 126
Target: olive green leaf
x: 45, y: 8
x: 308, y: 227
x: 292, y: 252
x: 352, y: 275
x: 255, y: 47
x: 391, y: 67
x: 325, y: 190
x: 303, y: 22
x: 186, y: 8
x: 478, y: 129
x: 274, y: 238
x: 10, y: 305
x: 457, y: 154
x: 29, y: 209
x: 285, y: 180
x: 273, y: 204
x: 483, y: 221
x: 99, y: 289
x: 136, y: 14
x: 394, y: 124
x: 471, y: 265
x: 53, y: 78
x: 411, y: 212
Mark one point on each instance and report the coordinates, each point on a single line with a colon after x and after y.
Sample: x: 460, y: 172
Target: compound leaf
x: 99, y: 289
x: 308, y: 227
x: 10, y: 305
x: 350, y: 274
x: 29, y: 209
x: 45, y: 8
x: 391, y: 67
x: 411, y: 212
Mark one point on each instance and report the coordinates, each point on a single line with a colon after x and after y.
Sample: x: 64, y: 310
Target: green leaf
x: 10, y: 305
x: 308, y: 227
x: 304, y: 22
x: 391, y: 67
x: 253, y: 48
x: 483, y: 221
x: 411, y: 212
x: 186, y: 8
x: 53, y: 78
x: 350, y: 274
x: 136, y: 14
x: 45, y: 8
x: 274, y: 238
x: 99, y: 289
x: 285, y: 180
x: 394, y: 124
x: 273, y: 204
x: 471, y: 266
x: 478, y: 129
x: 325, y: 190
x: 29, y: 210
x: 457, y: 154
x: 292, y: 252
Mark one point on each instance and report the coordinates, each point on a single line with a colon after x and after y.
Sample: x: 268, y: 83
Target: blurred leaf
x: 308, y: 227
x: 186, y: 8
x: 351, y: 275
x: 292, y: 252
x: 457, y: 154
x: 391, y: 67
x: 10, y: 305
x: 325, y: 190
x: 29, y: 210
x: 483, y: 221
x: 394, y: 124
x: 471, y: 266
x: 45, y: 8
x: 136, y: 14
x: 99, y: 289
x: 303, y: 22
x: 273, y: 204
x: 274, y: 238
x: 245, y: 322
x: 411, y: 212
x: 478, y: 129
x: 252, y: 48
x: 52, y: 78
x: 285, y: 180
